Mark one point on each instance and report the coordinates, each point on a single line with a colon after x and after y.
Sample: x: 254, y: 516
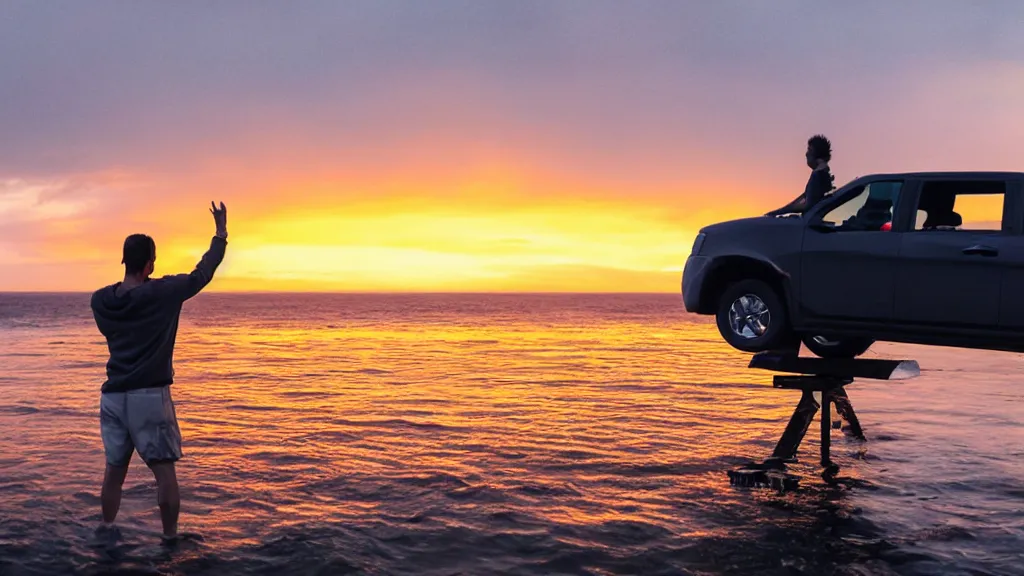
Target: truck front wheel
x: 751, y: 317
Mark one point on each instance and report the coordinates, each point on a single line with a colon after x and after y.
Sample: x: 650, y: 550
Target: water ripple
x: 496, y: 435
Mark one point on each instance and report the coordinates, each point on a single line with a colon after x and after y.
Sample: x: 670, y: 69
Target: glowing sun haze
x: 464, y: 145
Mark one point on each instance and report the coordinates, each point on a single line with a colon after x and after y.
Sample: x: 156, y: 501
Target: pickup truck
x: 886, y: 257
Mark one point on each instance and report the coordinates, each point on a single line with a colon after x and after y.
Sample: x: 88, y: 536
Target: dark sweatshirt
x: 819, y: 184
x: 141, y: 325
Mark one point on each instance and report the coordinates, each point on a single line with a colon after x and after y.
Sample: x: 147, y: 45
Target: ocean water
x: 517, y: 434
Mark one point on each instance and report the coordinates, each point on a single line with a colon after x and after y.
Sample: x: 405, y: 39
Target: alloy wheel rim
x: 749, y: 317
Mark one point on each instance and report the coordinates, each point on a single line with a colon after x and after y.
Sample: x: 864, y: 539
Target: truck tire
x: 826, y: 347
x: 751, y: 317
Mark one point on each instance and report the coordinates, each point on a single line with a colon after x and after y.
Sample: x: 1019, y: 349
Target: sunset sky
x: 467, y: 145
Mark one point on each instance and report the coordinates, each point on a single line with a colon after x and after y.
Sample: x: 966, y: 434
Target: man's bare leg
x: 110, y: 495
x: 167, y: 496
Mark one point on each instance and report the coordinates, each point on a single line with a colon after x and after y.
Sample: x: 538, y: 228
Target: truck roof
x: 980, y: 175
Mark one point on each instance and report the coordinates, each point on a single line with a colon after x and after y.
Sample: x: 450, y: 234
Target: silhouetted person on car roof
x: 818, y: 155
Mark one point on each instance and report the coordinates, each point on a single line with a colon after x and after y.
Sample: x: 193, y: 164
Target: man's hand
x: 220, y: 218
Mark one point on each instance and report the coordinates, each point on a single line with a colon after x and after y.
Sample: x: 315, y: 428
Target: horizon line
x: 378, y: 292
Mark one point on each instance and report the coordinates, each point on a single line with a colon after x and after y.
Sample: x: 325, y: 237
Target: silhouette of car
x: 886, y: 257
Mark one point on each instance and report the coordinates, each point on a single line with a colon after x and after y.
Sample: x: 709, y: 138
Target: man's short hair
x: 820, y: 147
x: 139, y: 250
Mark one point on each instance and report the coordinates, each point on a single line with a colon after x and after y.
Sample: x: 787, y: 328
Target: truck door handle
x: 980, y: 250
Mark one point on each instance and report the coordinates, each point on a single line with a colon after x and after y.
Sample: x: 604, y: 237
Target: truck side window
x: 870, y: 209
x: 961, y: 205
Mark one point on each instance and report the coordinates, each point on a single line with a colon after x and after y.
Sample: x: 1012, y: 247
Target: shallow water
x: 497, y: 435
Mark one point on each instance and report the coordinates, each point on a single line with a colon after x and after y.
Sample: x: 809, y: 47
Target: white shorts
x: 142, y: 420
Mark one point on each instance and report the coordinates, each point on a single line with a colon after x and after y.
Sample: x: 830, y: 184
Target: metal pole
x: 826, y: 427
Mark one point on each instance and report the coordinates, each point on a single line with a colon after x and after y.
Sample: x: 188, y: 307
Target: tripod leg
x: 826, y: 428
x: 845, y: 410
x: 799, y: 422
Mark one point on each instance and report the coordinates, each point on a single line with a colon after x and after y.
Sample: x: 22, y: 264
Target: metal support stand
x: 828, y: 378
x: 845, y: 409
x: 797, y: 428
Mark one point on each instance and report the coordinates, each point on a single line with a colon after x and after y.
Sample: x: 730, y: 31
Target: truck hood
x: 744, y: 225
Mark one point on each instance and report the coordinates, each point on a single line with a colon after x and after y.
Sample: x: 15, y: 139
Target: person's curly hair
x: 821, y: 147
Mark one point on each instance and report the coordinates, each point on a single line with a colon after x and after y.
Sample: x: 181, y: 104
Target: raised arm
x: 185, y: 286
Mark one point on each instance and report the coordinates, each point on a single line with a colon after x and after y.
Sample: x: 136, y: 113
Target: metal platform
x: 871, y: 368
x: 828, y: 378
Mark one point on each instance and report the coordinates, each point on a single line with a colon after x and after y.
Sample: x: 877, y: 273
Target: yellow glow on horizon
x: 566, y: 249
x: 495, y: 231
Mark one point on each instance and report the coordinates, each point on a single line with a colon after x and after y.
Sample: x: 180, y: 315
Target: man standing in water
x: 818, y: 155
x: 139, y: 318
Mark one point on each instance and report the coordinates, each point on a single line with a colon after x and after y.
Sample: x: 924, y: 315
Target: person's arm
x: 184, y: 286
x: 819, y: 183
x: 796, y: 206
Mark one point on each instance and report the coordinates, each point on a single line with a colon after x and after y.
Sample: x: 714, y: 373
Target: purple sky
x: 128, y: 109
x: 89, y: 85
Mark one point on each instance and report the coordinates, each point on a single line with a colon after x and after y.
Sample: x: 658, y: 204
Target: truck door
x: 1011, y: 252
x: 849, y: 256
x: 951, y: 262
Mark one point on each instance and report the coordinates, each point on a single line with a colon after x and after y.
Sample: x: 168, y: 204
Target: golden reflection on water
x: 481, y: 402
x: 548, y: 418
